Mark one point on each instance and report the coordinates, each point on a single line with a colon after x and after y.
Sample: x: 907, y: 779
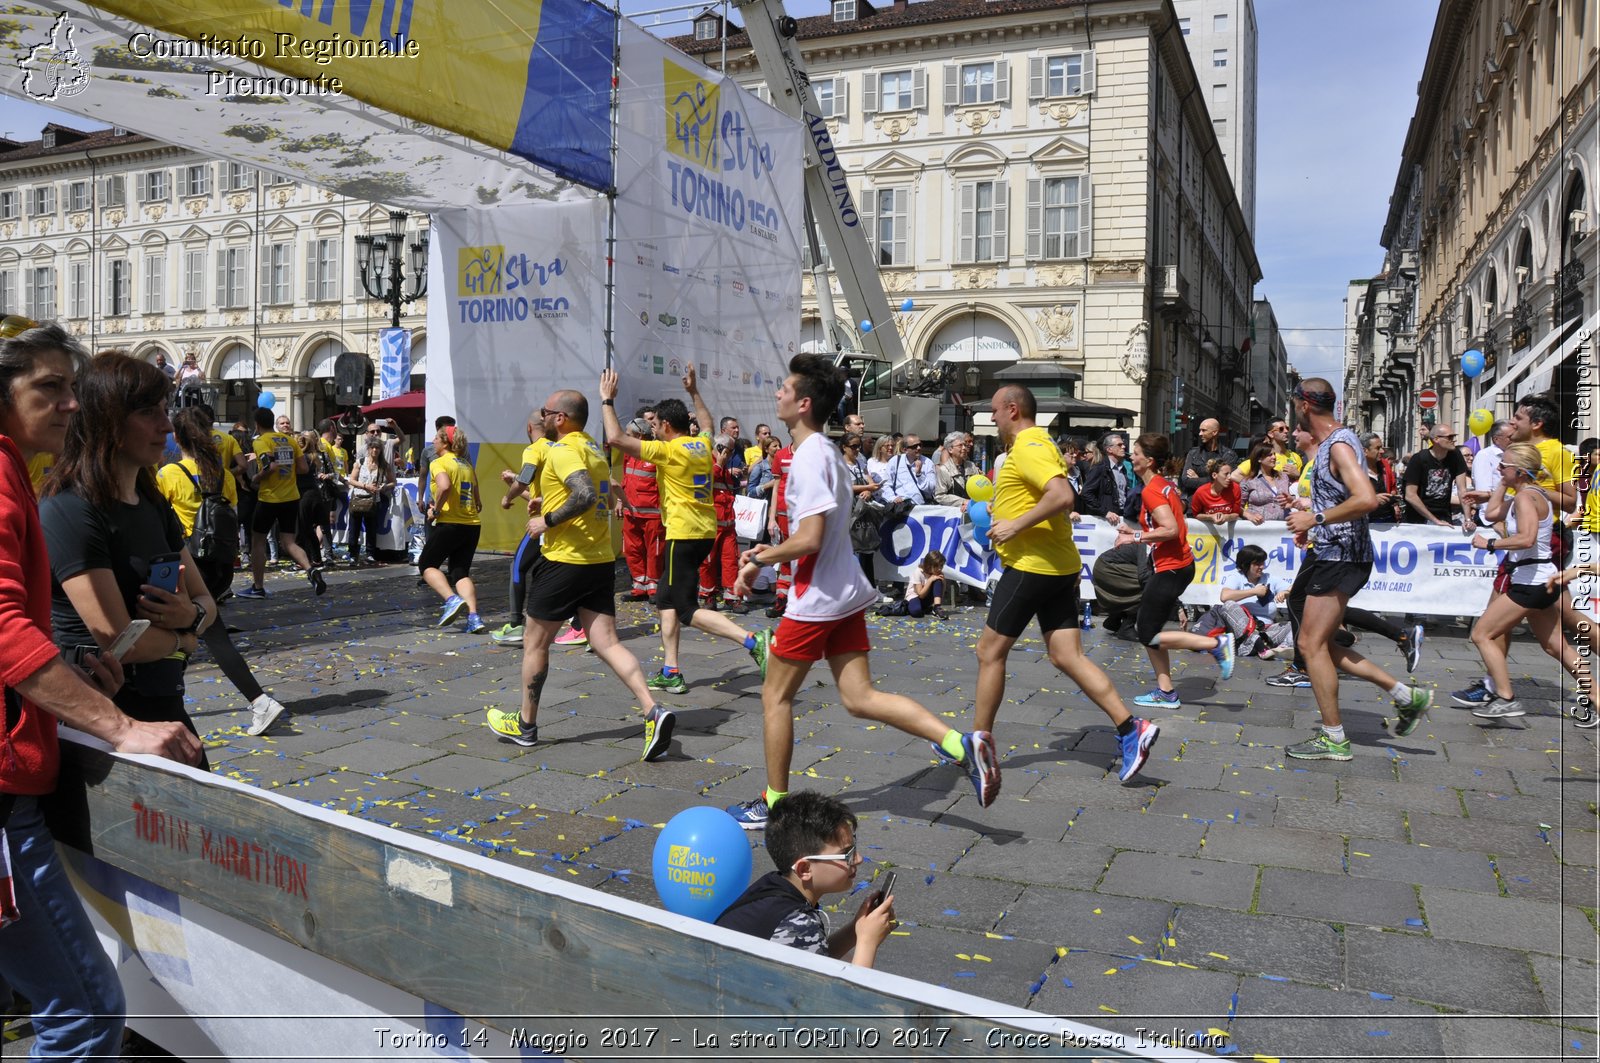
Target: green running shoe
x: 1411, y: 713
x: 759, y: 651
x: 668, y: 684
x: 1320, y: 747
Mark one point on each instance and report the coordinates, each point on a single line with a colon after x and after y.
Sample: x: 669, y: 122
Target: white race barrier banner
x: 749, y: 517
x: 1417, y: 568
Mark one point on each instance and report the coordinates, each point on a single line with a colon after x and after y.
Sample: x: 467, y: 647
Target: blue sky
x: 1336, y: 88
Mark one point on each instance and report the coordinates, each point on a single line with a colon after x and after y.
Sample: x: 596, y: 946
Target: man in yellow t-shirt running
x: 278, y: 459
x: 575, y: 574
x: 1041, y: 575
x: 683, y: 469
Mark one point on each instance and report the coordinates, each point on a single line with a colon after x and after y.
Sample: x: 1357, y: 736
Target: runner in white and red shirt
x: 826, y: 615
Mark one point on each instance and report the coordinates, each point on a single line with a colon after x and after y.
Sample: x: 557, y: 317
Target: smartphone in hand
x: 164, y: 570
x: 886, y: 890
x: 130, y: 634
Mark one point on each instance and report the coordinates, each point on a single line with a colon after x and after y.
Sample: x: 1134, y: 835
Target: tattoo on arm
x: 580, y: 496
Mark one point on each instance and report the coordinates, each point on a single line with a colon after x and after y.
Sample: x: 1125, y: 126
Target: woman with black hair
x: 105, y: 521
x: 1162, y: 527
x: 185, y: 484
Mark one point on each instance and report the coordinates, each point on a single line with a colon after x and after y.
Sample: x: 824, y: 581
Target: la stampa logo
x: 55, y: 70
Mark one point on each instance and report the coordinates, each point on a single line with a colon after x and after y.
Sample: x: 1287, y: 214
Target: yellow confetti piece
x: 1112, y: 970
x: 1135, y: 940
x: 1108, y: 1007
x: 992, y: 934
x: 1061, y: 950
x: 1164, y: 963
x: 1187, y: 966
x: 1355, y: 853
x: 962, y: 956
x: 1215, y: 1032
x: 1172, y: 943
x: 899, y: 933
x: 1216, y: 955
x: 1097, y: 911
x: 1265, y: 1059
x: 981, y: 957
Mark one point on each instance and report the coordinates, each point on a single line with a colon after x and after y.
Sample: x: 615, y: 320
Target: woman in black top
x: 104, y: 520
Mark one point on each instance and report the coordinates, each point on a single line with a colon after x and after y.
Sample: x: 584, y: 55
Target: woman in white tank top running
x: 1526, y: 563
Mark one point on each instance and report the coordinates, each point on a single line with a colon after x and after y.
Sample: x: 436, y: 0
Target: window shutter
x: 222, y: 278
x: 919, y: 89
x: 1088, y: 73
x: 1035, y: 220
x: 952, y: 85
x: 1085, y: 217
x: 264, y: 280
x: 841, y: 96
x: 311, y: 271
x: 1002, y: 81
x: 964, y: 222
x: 286, y: 253
x: 1002, y: 216
x: 869, y: 93
x: 869, y: 219
x: 1036, y: 77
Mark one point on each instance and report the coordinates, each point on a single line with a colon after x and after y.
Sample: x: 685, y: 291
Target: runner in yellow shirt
x: 1040, y: 577
x: 446, y: 560
x: 575, y: 574
x: 683, y: 469
x: 278, y: 459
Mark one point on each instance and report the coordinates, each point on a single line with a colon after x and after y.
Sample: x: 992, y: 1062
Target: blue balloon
x: 266, y: 400
x: 1472, y: 363
x: 981, y: 519
x: 701, y: 862
x: 866, y: 326
x: 906, y: 306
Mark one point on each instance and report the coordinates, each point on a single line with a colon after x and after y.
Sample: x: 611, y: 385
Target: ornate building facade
x: 1488, y: 240
x: 139, y: 245
x: 1044, y: 181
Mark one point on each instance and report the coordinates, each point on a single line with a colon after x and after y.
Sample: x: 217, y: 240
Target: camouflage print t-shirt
x: 804, y: 928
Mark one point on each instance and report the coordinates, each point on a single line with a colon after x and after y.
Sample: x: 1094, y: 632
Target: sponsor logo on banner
x: 493, y: 287
x: 719, y: 151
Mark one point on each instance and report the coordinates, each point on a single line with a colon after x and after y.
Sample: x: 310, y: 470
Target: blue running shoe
x: 475, y: 623
x: 454, y: 606
x: 1475, y: 696
x: 751, y: 815
x: 944, y: 757
x: 1159, y: 699
x: 983, y: 766
x: 1224, y: 653
x: 1136, y: 746
x: 252, y: 594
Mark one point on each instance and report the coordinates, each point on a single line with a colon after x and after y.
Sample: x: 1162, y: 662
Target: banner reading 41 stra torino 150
x: 709, y: 217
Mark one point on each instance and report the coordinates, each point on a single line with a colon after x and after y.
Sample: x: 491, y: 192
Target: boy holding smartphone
x: 812, y: 839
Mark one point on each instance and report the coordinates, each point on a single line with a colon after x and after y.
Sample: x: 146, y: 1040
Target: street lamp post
x: 381, y: 253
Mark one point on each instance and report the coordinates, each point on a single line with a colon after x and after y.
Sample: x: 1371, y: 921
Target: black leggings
x: 1360, y: 619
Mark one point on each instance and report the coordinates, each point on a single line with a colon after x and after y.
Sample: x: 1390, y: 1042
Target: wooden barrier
x: 520, y: 953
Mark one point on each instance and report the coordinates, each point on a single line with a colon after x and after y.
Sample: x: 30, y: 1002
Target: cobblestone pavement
x: 1436, y: 896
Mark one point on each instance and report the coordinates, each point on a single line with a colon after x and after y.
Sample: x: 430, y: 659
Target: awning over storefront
x: 1563, y: 339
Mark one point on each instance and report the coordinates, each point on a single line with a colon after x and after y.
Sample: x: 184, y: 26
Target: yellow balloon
x: 1480, y: 422
x: 980, y: 488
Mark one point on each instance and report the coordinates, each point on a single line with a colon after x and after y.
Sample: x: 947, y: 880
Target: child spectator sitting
x: 1248, y: 607
x: 812, y: 839
x: 925, y: 593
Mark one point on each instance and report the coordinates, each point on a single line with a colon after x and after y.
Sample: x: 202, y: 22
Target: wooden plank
x: 499, y: 944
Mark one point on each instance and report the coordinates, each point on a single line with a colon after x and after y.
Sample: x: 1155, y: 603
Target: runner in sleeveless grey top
x: 1336, y: 566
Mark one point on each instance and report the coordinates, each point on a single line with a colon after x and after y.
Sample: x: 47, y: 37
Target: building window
x: 119, y: 287
x: 1219, y: 126
x: 322, y: 271
x: 981, y: 224
x: 42, y: 200
x: 241, y: 178
x: 1055, y: 76
x: 153, y: 186
x: 41, y: 292
x: 705, y: 29
x: 78, y: 289
x: 1183, y: 24
x: 114, y: 191
x: 194, y: 280
x: 1219, y: 57
x: 232, y: 265
x: 78, y: 195
x: 277, y: 279
x: 280, y: 179
x: 197, y: 180
x: 844, y: 10
x: 10, y: 205
x: 896, y: 90
x: 8, y: 291
x: 1058, y: 217
x: 888, y: 223
x: 976, y: 83
x: 155, y: 284
x: 1219, y: 94
x: 832, y: 96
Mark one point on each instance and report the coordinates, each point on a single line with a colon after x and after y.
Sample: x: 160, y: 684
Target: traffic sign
x: 1427, y: 399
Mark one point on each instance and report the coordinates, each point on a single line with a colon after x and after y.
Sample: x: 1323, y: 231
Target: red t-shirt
x: 1206, y: 500
x: 1173, y: 553
x: 780, y: 475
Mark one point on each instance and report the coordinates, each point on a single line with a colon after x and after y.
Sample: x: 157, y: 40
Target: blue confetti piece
x: 966, y: 974
x: 1227, y: 1050
x: 1068, y: 983
x: 1577, y: 1046
x: 1380, y: 996
x: 1271, y: 978
x: 928, y: 880
x: 1521, y: 878
x: 952, y: 911
x: 1377, y: 1033
x: 1414, y: 922
x: 1233, y: 1006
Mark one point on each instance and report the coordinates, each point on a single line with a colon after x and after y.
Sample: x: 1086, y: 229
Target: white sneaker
x: 263, y: 712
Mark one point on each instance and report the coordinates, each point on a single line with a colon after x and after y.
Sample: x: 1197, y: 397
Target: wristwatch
x: 199, y: 618
x: 1321, y: 518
